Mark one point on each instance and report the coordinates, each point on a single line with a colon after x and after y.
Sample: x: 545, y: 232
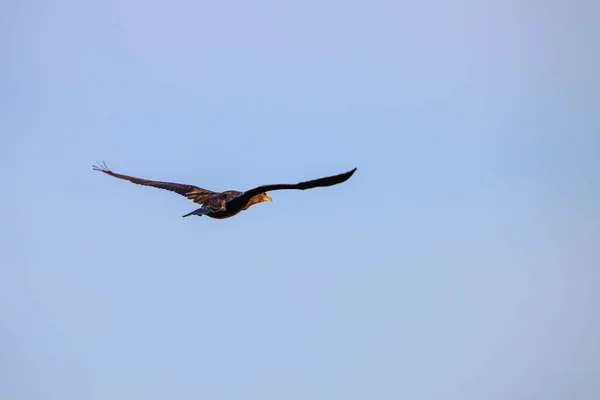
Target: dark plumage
x: 229, y: 203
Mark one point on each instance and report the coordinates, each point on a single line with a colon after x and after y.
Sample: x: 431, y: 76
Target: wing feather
x: 194, y: 193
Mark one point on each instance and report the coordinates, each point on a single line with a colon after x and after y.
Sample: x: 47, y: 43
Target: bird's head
x: 263, y: 197
x: 258, y: 198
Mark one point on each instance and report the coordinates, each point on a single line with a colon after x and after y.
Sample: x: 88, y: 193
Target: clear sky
x: 461, y: 261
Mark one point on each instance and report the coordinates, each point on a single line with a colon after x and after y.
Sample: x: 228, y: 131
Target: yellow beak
x: 267, y: 198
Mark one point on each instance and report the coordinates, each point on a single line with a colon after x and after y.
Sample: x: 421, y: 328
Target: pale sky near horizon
x: 461, y: 261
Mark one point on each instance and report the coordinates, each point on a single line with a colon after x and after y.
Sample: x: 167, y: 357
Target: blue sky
x: 461, y: 261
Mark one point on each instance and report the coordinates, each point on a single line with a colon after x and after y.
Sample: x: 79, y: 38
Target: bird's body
x: 221, y: 205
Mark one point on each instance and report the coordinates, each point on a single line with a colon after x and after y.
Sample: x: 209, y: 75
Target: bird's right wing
x: 321, y: 182
x: 194, y: 193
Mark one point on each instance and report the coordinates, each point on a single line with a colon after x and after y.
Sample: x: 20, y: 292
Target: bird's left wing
x: 194, y: 193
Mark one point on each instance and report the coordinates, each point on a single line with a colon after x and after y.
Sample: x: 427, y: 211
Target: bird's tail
x: 199, y: 212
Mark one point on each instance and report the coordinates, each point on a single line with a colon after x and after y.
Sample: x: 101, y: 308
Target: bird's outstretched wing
x: 194, y: 193
x: 321, y: 182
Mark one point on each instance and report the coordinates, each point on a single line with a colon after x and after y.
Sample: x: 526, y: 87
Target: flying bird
x: 231, y: 202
